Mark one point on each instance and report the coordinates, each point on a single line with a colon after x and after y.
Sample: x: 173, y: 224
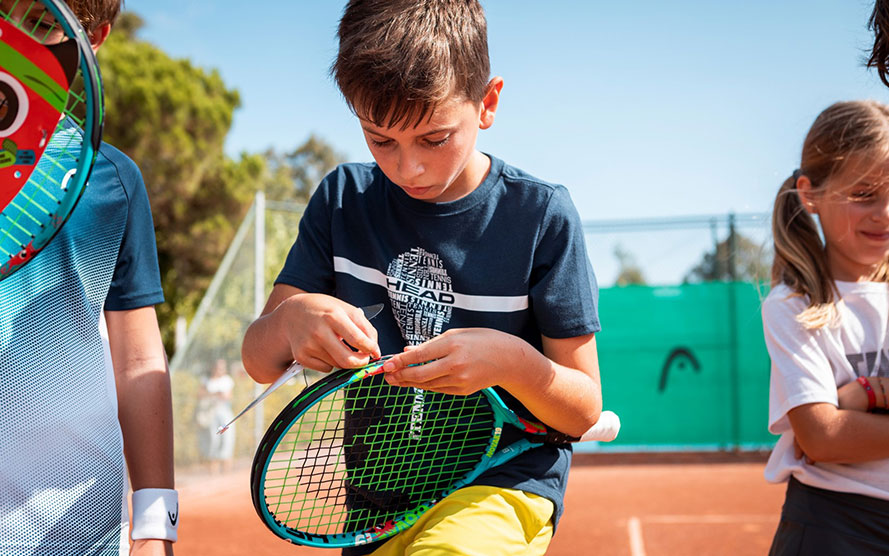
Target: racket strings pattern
x: 368, y: 454
x: 39, y: 199
x: 50, y: 124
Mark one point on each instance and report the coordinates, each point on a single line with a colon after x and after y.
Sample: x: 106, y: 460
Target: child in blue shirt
x: 85, y: 404
x: 483, y: 267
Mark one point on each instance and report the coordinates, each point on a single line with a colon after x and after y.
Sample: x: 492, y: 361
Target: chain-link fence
x: 681, y: 352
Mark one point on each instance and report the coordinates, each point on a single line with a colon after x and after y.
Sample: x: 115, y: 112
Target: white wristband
x: 155, y: 514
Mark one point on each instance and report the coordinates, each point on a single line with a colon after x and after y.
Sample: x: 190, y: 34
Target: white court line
x: 634, y: 530
x: 634, y: 524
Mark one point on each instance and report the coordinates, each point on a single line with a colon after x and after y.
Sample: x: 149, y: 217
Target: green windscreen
x: 685, y: 366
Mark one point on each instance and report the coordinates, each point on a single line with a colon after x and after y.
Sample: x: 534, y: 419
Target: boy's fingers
x: 358, y: 335
x: 431, y: 372
x: 413, y: 356
x: 344, y: 358
x: 357, y: 341
x: 367, y: 328
x: 316, y: 365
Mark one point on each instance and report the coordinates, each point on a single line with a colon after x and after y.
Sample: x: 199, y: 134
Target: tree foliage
x: 293, y: 176
x: 172, y: 119
x: 751, y: 261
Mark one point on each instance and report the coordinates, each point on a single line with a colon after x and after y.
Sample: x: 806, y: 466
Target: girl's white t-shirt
x: 809, y: 365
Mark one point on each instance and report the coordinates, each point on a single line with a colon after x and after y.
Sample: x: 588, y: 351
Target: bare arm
x: 559, y: 386
x: 844, y: 434
x: 309, y: 328
x: 562, y: 387
x: 145, y: 405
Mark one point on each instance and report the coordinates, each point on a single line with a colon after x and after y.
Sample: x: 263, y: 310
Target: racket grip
x: 605, y: 429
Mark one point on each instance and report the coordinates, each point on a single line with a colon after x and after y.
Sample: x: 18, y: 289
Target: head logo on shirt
x: 421, y: 294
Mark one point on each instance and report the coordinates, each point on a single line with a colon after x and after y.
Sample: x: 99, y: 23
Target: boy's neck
x: 473, y: 174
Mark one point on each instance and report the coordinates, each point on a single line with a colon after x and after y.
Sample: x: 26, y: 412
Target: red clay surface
x: 639, y: 509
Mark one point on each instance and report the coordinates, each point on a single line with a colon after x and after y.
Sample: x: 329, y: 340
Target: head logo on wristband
x: 155, y: 514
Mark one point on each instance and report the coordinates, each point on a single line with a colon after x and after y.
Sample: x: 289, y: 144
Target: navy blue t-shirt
x: 509, y: 256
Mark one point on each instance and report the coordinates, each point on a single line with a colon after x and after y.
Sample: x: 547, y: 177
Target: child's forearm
x: 560, y: 388
x: 832, y: 435
x: 315, y: 329
x: 146, y: 420
x: 265, y: 353
x: 144, y: 399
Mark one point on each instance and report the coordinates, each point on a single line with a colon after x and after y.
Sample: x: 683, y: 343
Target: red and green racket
x: 352, y: 460
x: 50, y: 124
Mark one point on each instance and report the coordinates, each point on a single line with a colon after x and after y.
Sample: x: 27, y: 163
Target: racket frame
x: 337, y: 380
x: 92, y: 133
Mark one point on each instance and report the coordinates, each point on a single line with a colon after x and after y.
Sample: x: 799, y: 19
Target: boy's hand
x: 316, y: 327
x: 461, y: 361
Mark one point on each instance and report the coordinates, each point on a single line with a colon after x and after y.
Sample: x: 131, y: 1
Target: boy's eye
x: 40, y: 24
x: 382, y: 144
x: 436, y: 142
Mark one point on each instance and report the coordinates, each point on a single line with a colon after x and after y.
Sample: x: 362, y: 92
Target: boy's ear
x: 806, y: 195
x: 99, y: 35
x: 490, y: 103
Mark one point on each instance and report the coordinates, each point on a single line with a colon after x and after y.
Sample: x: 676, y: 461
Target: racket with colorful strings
x: 50, y: 124
x: 353, y: 460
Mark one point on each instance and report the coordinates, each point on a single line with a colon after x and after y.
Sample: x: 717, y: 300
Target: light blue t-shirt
x: 62, y: 473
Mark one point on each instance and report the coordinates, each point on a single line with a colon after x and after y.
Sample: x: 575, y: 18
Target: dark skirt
x: 815, y: 521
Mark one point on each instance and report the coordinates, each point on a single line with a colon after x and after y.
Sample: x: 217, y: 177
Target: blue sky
x: 642, y: 109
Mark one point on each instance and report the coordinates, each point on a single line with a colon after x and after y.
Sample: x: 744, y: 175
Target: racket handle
x: 605, y: 429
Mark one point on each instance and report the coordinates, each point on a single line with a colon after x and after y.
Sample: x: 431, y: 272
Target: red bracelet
x: 871, y: 396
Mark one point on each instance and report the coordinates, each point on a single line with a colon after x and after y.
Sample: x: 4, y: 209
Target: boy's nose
x: 409, y: 166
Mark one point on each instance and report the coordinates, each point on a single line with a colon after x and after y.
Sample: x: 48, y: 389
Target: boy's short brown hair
x: 93, y: 13
x: 399, y: 59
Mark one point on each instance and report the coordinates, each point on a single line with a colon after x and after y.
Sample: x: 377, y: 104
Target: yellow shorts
x: 478, y: 520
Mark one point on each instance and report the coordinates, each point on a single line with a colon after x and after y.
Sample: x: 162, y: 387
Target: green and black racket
x: 50, y: 124
x: 352, y: 460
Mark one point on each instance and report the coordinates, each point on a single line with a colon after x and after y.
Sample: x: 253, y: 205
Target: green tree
x: 172, y: 119
x: 293, y: 176
x: 751, y: 262
x: 629, y: 272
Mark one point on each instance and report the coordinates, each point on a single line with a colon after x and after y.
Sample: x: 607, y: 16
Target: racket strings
x: 52, y: 98
x: 365, y: 456
x: 34, y: 20
x: 36, y: 205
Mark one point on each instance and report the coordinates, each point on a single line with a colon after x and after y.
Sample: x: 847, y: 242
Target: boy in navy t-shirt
x: 483, y: 267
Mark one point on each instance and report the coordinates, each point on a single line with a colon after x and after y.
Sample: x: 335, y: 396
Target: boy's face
x: 34, y: 19
x: 435, y: 161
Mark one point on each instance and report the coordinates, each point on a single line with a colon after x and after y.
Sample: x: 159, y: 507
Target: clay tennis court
x: 616, y: 505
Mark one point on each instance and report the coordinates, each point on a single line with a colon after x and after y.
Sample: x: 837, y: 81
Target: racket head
x: 352, y: 460
x: 51, y: 113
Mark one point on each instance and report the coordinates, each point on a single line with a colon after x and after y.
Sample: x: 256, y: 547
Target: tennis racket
x: 352, y: 460
x: 50, y: 124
